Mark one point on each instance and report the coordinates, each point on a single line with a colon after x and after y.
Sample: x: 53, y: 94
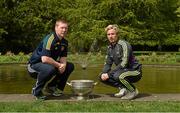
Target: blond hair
x: 113, y: 26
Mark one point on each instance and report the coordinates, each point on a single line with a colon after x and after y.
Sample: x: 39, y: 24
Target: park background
x: 149, y: 25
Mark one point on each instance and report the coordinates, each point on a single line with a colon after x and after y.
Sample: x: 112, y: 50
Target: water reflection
x: 156, y: 79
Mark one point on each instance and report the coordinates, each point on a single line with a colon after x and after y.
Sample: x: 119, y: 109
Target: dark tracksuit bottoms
x: 124, y: 78
x: 45, y: 72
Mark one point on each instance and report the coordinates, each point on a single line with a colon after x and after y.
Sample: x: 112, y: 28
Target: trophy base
x: 81, y: 97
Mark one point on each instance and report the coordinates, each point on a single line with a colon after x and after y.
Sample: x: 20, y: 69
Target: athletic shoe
x: 41, y: 96
x: 57, y: 92
x: 130, y: 95
x: 53, y: 91
x: 121, y: 93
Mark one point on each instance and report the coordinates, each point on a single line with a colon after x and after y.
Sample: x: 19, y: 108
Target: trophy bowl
x: 82, y: 88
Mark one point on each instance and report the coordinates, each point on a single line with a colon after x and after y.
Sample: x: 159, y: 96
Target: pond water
x: 156, y: 79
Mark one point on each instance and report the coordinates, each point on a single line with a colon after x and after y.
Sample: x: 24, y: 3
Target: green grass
x: 14, y: 58
x: 90, y: 106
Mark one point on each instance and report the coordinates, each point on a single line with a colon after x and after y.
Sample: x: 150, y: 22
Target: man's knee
x: 121, y: 78
x: 48, y: 69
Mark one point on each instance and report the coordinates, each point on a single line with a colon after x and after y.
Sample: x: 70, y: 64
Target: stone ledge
x: 93, y: 97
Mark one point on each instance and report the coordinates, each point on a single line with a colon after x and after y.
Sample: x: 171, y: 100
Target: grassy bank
x: 11, y: 58
x: 143, y: 57
x: 89, y: 106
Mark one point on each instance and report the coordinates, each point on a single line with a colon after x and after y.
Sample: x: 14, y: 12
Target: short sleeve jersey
x: 50, y: 46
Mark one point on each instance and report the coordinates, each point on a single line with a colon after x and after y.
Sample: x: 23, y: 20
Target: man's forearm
x: 106, y: 68
x: 49, y: 60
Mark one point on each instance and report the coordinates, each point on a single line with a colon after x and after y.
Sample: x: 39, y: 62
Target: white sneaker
x: 121, y: 93
x: 130, y: 95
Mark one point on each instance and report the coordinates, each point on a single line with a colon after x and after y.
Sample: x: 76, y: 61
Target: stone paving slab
x: 94, y: 97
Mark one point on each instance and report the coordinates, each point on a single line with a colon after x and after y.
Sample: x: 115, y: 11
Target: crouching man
x: 127, y: 69
x: 48, y: 62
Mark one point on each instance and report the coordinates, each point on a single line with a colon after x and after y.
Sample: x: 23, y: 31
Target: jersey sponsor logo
x: 56, y: 48
x: 57, y: 45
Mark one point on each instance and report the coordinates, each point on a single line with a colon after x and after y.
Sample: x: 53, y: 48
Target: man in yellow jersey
x: 127, y: 70
x: 49, y: 61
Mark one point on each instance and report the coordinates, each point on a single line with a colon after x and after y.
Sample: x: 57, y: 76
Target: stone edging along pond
x: 94, y: 97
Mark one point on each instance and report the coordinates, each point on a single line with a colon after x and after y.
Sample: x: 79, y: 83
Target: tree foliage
x: 23, y: 23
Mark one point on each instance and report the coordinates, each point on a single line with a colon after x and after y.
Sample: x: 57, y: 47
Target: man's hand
x: 104, y: 76
x: 62, y: 67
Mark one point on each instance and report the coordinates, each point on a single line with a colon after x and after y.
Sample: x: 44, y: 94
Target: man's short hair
x: 61, y: 20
